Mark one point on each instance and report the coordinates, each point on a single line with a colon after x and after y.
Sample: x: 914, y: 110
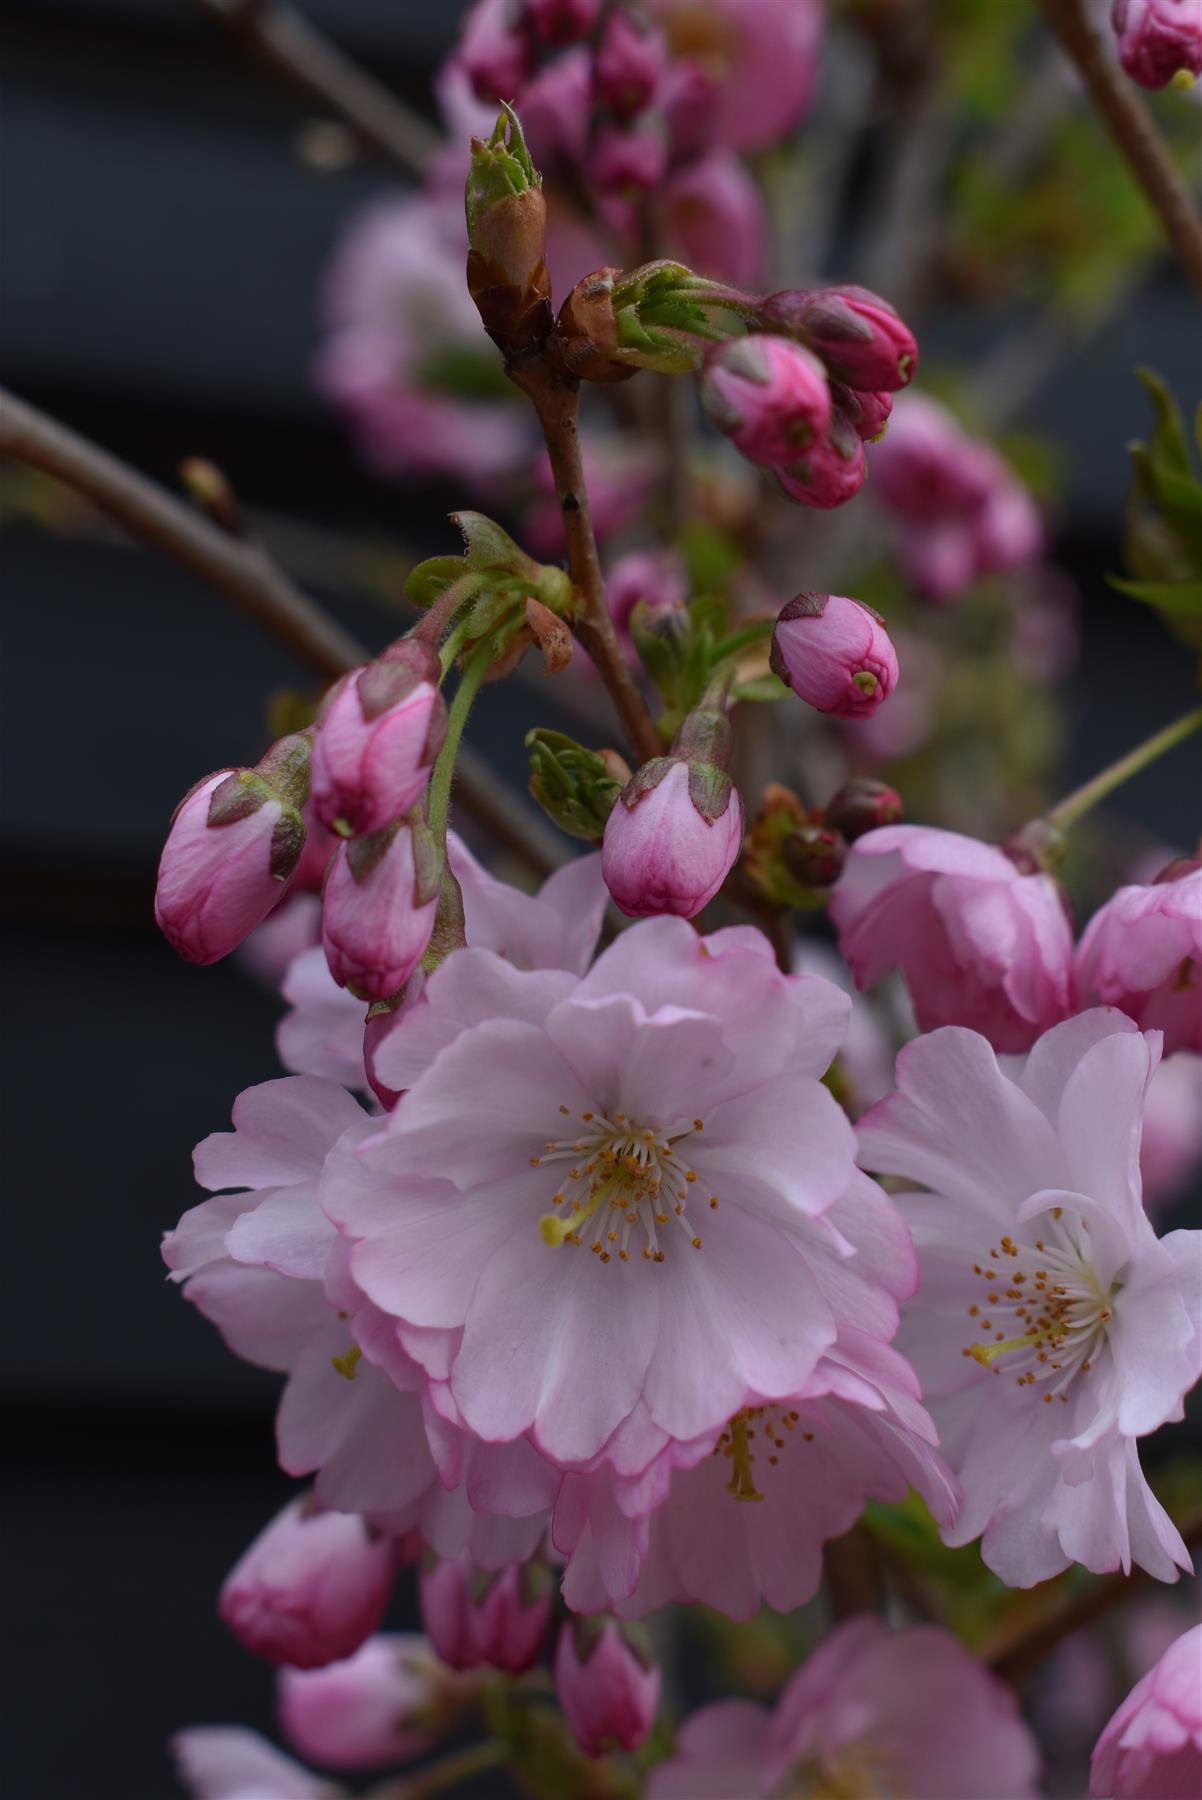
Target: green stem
x: 446, y: 1773
x: 743, y: 638
x: 444, y: 768
x: 452, y: 646
x: 1075, y: 805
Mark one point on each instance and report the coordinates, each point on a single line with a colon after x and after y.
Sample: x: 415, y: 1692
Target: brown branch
x: 556, y: 400
x: 1134, y: 132
x: 282, y: 37
x: 241, y: 570
x: 1014, y: 1657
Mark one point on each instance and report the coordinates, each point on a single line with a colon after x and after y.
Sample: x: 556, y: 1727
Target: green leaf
x: 1182, y: 598
x: 1169, y: 446
x: 760, y: 687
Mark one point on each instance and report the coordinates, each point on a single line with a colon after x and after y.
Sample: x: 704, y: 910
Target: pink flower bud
x: 868, y: 412
x: 1142, y: 952
x: 1157, y: 38
x: 769, y: 396
x: 629, y: 158
x: 377, y: 741
x: 857, y: 334
x: 373, y: 1708
x: 1153, y: 1744
x: 835, y: 653
x: 832, y: 470
x: 1170, y: 1149
x: 380, y: 899
x: 475, y: 1616
x: 231, y: 853
x: 311, y: 1587
x: 628, y: 65
x: 656, y: 577
x: 663, y: 852
x: 493, y: 55
x: 562, y: 21
x: 608, y: 1688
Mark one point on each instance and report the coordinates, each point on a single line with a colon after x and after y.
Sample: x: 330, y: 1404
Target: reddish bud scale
x: 862, y: 805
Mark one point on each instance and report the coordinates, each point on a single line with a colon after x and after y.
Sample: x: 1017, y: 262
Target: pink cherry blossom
x: 758, y: 59
x: 978, y: 942
x: 265, y: 1266
x: 561, y: 21
x: 872, y: 1711
x: 228, y: 1762
x: 1157, y: 38
x: 311, y: 1587
x: 285, y: 934
x: 628, y: 64
x: 740, y: 1520
x: 1152, y: 1748
x: 835, y: 653
x: 662, y: 854
x: 656, y: 576
x: 607, y: 1685
x: 1142, y: 951
x: 1170, y: 1151
x: 475, y: 1616
x: 1052, y: 1329
x: 613, y: 1110
x: 322, y: 1031
x: 217, y: 882
x: 715, y: 220
x: 377, y: 740
x: 493, y: 51
x: 372, y: 1708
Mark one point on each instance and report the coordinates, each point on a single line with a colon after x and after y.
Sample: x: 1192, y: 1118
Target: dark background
x: 160, y: 248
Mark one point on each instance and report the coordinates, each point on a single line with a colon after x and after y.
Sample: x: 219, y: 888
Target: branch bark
x: 242, y: 570
x: 285, y: 39
x: 1134, y: 132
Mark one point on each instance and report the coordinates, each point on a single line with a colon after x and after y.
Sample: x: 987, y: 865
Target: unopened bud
x: 378, y: 1706
x: 380, y: 899
x: 606, y: 1683
x: 575, y: 787
x: 562, y: 21
x: 862, y: 805
x: 628, y: 65
x: 660, y: 316
x: 629, y: 158
x: 835, y: 653
x: 208, y: 487
x: 1159, y: 41
x: 814, y: 856
x: 769, y: 396
x: 493, y: 53
x: 858, y: 335
x: 867, y: 412
x: 378, y: 738
x: 507, y: 228
x: 832, y: 470
x: 498, y: 1618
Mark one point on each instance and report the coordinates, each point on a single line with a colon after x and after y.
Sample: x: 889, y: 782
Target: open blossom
x: 228, y: 1762
x: 378, y: 738
x: 662, y: 853
x: 739, y: 1520
x: 1158, y: 38
x: 322, y: 1031
x: 1142, y: 951
x: 978, y: 942
x: 374, y: 1707
x: 1052, y: 1329
x: 835, y: 653
x: 714, y: 218
x: 871, y: 1712
x: 633, y: 1182
x: 757, y: 60
x: 311, y: 1587
x: 495, y: 1617
x: 217, y: 881
x: 607, y: 1685
x: 1152, y: 1748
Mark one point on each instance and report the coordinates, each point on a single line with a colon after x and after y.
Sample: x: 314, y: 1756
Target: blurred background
x: 166, y: 216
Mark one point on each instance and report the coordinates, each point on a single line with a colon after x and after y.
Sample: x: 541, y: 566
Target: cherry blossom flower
x: 1052, y: 1329
x: 635, y: 1161
x: 872, y: 1711
x: 228, y: 1762
x: 978, y: 942
x: 322, y: 1031
x: 758, y: 59
x: 1143, y: 951
x: 1170, y: 1151
x: 1152, y: 1748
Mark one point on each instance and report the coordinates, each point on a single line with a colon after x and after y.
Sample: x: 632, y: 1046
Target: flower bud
x: 868, y: 412
x: 376, y: 1707
x: 629, y: 159
x: 475, y: 1616
x: 575, y: 787
x: 831, y: 472
x: 814, y: 855
x: 495, y: 57
x: 628, y: 65
x: 655, y: 579
x: 861, y: 805
x: 311, y: 1587
x: 380, y: 899
x: 562, y: 21
x: 1158, y: 39
x: 857, y: 334
x: 233, y: 848
x: 507, y: 228
x: 835, y: 653
x: 768, y: 395
x: 659, y: 316
x: 677, y: 828
x: 606, y: 1684
x: 378, y: 739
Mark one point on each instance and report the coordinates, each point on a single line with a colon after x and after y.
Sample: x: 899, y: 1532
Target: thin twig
x: 241, y: 570
x: 1014, y: 1657
x: 285, y: 39
x: 556, y: 400
x: 1134, y: 132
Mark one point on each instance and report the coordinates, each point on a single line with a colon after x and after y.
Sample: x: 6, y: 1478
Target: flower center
x: 1046, y: 1321
x: 757, y: 1432
x: 856, y: 1772
x: 624, y: 1181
